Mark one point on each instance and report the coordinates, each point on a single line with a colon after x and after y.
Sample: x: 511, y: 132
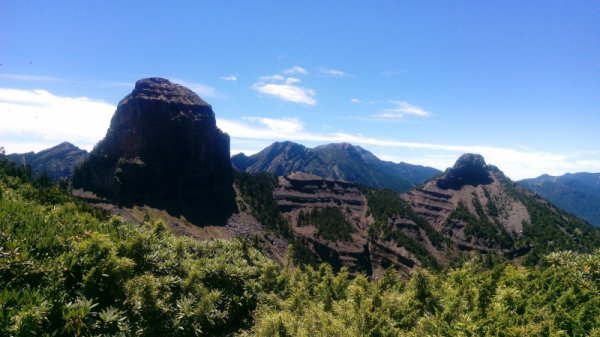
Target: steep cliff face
x: 163, y: 149
x: 311, y: 203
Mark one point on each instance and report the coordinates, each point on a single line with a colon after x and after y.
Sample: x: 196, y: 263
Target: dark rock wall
x: 163, y: 149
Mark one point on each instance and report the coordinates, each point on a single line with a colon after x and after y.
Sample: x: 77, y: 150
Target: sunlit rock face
x: 163, y: 149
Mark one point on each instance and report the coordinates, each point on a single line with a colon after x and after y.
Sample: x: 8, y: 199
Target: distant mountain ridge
x: 578, y: 193
x: 339, y: 161
x: 58, y: 161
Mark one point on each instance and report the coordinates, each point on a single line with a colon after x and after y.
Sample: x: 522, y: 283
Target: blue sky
x: 420, y: 82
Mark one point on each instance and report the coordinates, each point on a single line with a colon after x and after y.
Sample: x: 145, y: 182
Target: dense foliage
x: 67, y: 270
x: 329, y: 221
x: 561, y: 299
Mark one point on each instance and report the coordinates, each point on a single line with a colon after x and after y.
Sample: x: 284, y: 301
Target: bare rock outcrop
x: 163, y: 149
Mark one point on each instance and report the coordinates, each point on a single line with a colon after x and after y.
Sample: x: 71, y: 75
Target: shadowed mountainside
x: 58, y: 161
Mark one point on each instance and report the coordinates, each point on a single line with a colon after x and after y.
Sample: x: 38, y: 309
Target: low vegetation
x: 68, y: 270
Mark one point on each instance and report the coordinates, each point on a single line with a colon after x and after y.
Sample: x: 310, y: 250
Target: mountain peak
x: 339, y: 161
x: 470, y: 160
x: 469, y: 169
x: 161, y: 89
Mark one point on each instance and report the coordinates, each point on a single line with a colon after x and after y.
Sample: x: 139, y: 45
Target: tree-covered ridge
x: 329, y: 221
x: 385, y: 205
x: 550, y: 229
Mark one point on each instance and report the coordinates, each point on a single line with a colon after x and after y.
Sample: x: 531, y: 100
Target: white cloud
x: 271, y: 78
x: 295, y: 70
x: 402, y: 109
x: 32, y: 120
x: 284, y: 88
x: 287, y: 92
x: 333, y: 72
x: 515, y: 162
x: 355, y: 101
x: 232, y: 78
x: 287, y: 125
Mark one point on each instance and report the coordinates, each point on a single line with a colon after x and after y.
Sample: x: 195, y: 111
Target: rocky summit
x: 163, y: 149
x: 469, y: 169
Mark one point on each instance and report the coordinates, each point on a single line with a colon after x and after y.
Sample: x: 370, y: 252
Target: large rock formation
x: 163, y: 149
x: 469, y: 169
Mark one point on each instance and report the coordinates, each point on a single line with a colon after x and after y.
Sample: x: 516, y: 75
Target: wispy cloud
x: 30, y: 78
x: 232, y: 78
x: 295, y: 70
x: 333, y: 72
x: 285, y: 88
x: 401, y: 109
x: 38, y: 119
x: 395, y: 113
x: 201, y: 89
x: 515, y: 162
